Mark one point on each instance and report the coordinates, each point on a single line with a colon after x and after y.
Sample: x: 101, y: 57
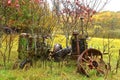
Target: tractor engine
x: 78, y: 44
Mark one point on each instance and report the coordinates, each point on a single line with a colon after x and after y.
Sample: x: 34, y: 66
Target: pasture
x: 51, y: 70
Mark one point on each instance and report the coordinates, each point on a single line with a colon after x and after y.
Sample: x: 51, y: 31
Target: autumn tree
x: 7, y: 15
x: 76, y: 14
x: 108, y: 22
x: 107, y: 19
x: 32, y: 16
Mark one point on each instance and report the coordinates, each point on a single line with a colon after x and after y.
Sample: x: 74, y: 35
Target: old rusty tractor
x: 87, y: 58
x: 32, y: 48
x: 35, y: 47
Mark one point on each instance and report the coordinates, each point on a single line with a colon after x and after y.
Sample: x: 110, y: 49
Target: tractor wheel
x: 91, y: 59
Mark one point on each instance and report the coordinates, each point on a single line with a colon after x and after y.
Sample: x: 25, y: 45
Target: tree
x: 7, y: 13
x: 109, y: 22
x: 107, y: 19
x: 76, y: 14
x: 32, y: 16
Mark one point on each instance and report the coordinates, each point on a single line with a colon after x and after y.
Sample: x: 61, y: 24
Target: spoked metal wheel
x: 91, y: 59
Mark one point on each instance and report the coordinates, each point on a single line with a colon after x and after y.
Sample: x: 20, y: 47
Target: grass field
x: 60, y: 71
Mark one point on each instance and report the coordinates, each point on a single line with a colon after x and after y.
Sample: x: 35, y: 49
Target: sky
x: 113, y: 5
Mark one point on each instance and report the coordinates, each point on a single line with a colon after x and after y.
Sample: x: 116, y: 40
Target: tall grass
x: 59, y: 71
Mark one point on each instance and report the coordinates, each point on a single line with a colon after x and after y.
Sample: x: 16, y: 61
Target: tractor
x: 35, y: 47
x: 32, y: 48
x: 87, y: 58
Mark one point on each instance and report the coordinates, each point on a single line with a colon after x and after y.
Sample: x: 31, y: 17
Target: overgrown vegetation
x: 35, y: 17
x: 59, y: 71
